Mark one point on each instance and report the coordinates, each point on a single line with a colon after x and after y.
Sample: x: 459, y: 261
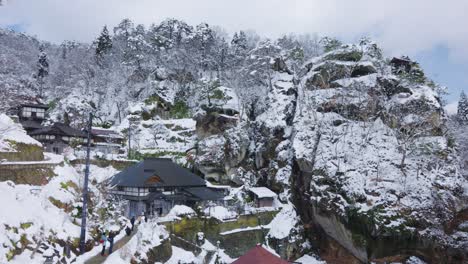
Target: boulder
x: 344, y: 55
x: 214, y: 123
x: 392, y: 86
x: 325, y: 73
x: 363, y: 69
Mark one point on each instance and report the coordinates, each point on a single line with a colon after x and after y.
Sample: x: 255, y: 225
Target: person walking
x: 146, y: 217
x: 132, y: 221
x: 111, y: 241
x: 104, y: 242
x: 128, y: 231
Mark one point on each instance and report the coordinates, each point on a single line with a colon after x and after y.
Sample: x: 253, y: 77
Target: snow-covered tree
x: 462, y: 111
x: 42, y: 69
x: 103, y: 45
x: 330, y: 43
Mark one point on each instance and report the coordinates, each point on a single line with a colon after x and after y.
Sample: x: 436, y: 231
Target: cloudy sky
x: 433, y: 32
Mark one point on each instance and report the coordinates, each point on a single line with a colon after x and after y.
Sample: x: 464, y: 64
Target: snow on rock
x: 284, y: 222
x: 11, y: 132
x: 414, y: 260
x: 29, y: 210
x: 180, y: 255
x: 219, y: 212
x: 229, y: 100
x: 281, y: 101
x: 166, y: 138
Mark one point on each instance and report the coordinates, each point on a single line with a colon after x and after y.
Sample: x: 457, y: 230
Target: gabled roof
x: 59, y: 129
x: 263, y: 192
x: 104, y: 132
x: 157, y: 172
x: 31, y: 124
x: 401, y: 60
x: 205, y: 193
x: 35, y: 105
x: 259, y: 255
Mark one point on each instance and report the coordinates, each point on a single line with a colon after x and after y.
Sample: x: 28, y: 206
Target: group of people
x: 109, y: 239
x: 105, y: 240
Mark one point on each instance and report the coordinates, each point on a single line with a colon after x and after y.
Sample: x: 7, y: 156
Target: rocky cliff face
x: 359, y: 146
x: 362, y: 154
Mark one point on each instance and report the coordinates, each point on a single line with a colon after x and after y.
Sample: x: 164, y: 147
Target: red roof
x: 259, y: 255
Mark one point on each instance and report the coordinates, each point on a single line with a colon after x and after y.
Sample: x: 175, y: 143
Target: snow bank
x: 181, y: 210
x: 283, y: 222
x: 220, y: 213
x: 27, y: 212
x: 11, y: 131
x: 182, y: 256
x: 308, y: 259
x: 148, y: 236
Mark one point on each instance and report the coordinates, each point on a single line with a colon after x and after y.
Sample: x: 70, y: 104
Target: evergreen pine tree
x: 42, y: 69
x: 103, y: 45
x: 462, y: 112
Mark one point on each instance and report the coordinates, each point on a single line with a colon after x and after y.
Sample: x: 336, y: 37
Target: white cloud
x: 401, y: 26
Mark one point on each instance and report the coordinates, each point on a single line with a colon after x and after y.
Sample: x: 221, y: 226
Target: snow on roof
x: 263, y: 192
x: 219, y: 212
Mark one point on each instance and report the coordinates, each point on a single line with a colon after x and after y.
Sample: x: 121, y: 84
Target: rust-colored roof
x: 259, y: 255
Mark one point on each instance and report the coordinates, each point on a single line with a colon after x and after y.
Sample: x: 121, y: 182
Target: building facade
x: 155, y: 185
x: 31, y: 116
x: 263, y: 197
x: 58, y: 137
x: 106, y: 141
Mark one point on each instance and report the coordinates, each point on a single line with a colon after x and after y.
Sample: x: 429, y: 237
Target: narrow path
x: 117, y: 245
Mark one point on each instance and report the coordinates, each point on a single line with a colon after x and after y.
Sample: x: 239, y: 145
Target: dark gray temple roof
x: 205, y: 193
x: 61, y: 130
x: 157, y: 172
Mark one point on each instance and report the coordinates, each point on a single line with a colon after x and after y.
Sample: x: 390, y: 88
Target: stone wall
x: 117, y: 164
x: 33, y: 174
x: 24, y: 152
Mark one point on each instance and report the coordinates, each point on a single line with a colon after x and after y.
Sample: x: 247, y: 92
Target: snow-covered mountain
x: 358, y: 146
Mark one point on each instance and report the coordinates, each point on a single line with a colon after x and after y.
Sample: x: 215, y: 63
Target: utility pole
x: 84, y: 211
x: 129, y: 141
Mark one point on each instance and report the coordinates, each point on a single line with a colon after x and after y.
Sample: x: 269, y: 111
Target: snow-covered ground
x: 28, y: 214
x: 308, y: 259
x: 220, y: 213
x: 148, y: 236
x: 11, y: 132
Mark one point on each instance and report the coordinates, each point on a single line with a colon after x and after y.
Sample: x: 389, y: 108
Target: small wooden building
x: 31, y: 116
x: 59, y: 136
x: 263, y: 197
x: 400, y: 65
x: 107, y: 141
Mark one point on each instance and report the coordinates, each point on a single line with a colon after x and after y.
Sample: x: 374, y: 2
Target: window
x: 66, y: 138
x: 33, y: 112
x: 49, y: 137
